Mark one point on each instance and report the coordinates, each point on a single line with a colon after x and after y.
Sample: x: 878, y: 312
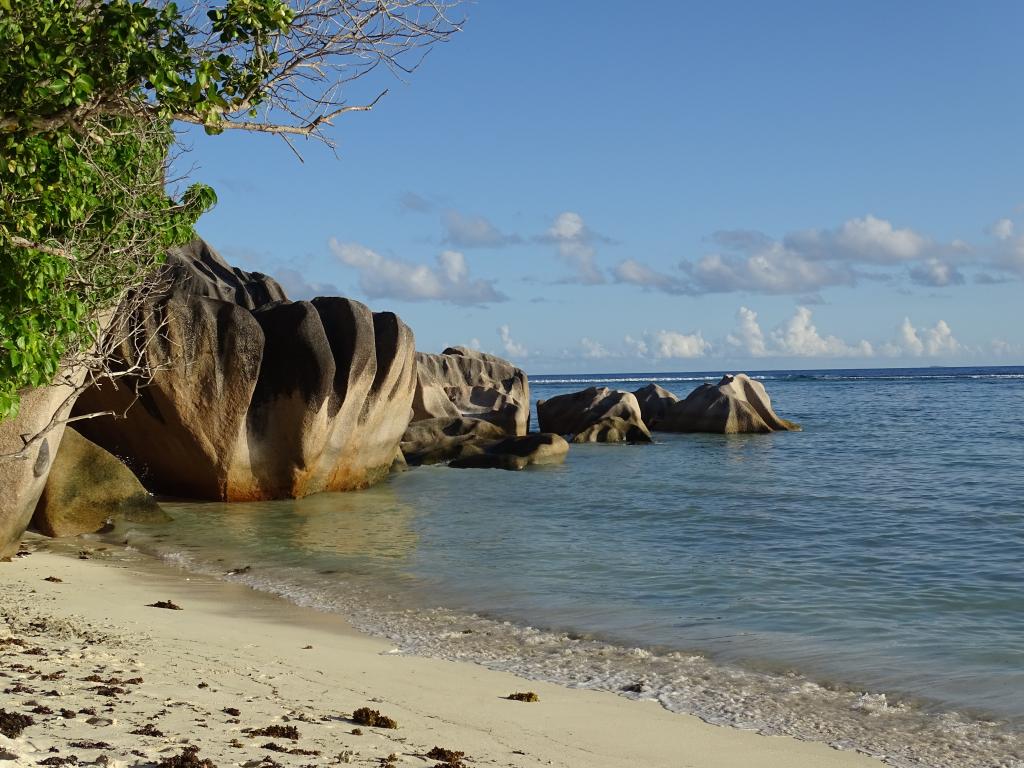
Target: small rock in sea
x: 373, y: 718
x: 238, y: 571
x: 12, y: 723
x: 169, y: 605
x: 525, y: 696
x: 54, y: 580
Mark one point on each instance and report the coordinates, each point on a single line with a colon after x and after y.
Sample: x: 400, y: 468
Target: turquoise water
x: 867, y: 572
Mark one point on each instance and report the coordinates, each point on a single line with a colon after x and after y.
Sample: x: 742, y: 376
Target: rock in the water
x: 655, y: 402
x: 597, y: 414
x: 86, y: 487
x: 736, y: 404
x: 464, y: 382
x: 433, y: 441
x: 516, y: 452
x: 612, y: 429
x: 281, y: 400
x: 22, y: 480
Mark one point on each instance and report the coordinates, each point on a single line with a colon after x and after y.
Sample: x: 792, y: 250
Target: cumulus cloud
x: 748, y: 335
x: 593, y: 350
x: 575, y: 243
x: 672, y: 345
x: 635, y: 273
x: 635, y: 347
x: 799, y: 337
x: 911, y: 341
x: 1002, y: 229
x: 936, y: 273
x: 512, y: 347
x: 384, y: 277
x: 867, y: 239
x: 774, y: 269
x: 470, y: 231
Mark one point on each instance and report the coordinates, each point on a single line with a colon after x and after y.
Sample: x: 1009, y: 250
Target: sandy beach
x: 109, y: 680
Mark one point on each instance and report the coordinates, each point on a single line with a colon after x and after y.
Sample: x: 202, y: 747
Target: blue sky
x: 672, y: 186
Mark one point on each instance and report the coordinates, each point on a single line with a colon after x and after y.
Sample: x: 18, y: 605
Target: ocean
x: 859, y: 583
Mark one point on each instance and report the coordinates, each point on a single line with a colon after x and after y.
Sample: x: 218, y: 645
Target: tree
x: 89, y: 93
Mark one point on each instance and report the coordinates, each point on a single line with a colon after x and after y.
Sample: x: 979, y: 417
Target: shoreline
x: 233, y: 647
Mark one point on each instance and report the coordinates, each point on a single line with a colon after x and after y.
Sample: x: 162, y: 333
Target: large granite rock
x: 198, y: 270
x: 596, y: 414
x: 655, y: 402
x: 514, y: 453
x: 87, y: 487
x: 736, y: 404
x: 432, y: 441
x: 263, y: 399
x: 22, y: 479
x: 464, y: 382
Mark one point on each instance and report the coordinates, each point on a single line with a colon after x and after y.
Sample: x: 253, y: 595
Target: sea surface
x: 860, y: 582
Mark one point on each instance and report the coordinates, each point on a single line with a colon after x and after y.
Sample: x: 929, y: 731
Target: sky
x: 667, y: 186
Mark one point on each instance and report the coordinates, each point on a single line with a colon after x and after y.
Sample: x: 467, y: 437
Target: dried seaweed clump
x: 168, y: 604
x: 525, y: 696
x: 275, y: 732
x: 373, y: 718
x: 12, y: 723
x: 189, y: 758
x: 447, y: 758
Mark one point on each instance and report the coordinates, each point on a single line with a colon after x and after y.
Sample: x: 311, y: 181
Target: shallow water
x: 782, y: 582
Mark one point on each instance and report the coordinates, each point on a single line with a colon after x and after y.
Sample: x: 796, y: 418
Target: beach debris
x: 372, y: 718
x: 68, y: 714
x: 41, y: 709
x: 23, y: 552
x: 203, y: 684
x: 356, y: 731
x: 528, y: 696
x: 108, y: 690
x: 148, y: 730
x: 90, y: 745
x: 447, y: 758
x: 274, y: 732
x: 307, y: 647
x: 100, y: 722
x: 290, y: 750
x: 189, y: 758
x: 58, y: 760
x: 54, y: 580
x: 234, y: 712
x: 239, y: 571
x: 167, y: 604
x: 12, y: 723
x: 83, y: 554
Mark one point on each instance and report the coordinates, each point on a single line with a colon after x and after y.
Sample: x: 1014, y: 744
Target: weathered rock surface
x: 464, y: 382
x: 736, y: 404
x: 432, y: 441
x: 22, y: 480
x: 197, y: 269
x: 655, y: 402
x: 596, y: 414
x: 86, y: 487
x: 515, y: 453
x: 262, y: 399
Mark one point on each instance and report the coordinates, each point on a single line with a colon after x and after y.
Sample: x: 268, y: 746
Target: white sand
x: 250, y: 652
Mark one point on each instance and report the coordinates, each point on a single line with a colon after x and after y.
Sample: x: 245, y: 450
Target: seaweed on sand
x: 189, y: 758
x: 525, y: 696
x: 373, y: 718
x: 12, y: 723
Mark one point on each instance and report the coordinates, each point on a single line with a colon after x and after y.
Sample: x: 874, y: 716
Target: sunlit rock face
x: 595, y: 414
x: 464, y: 382
x: 254, y: 396
x: 736, y: 404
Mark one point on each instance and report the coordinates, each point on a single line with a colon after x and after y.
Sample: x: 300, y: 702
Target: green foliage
x: 88, y: 93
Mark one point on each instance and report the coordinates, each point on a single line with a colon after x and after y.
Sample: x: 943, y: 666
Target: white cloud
x: 748, y: 335
x: 635, y: 273
x: 470, y: 231
x: 635, y: 347
x: 383, y: 277
x: 936, y: 273
x: 575, y: 243
x: 1002, y: 229
x: 512, y: 348
x: 936, y: 341
x: 774, y: 269
x: 798, y: 337
x: 671, y: 345
x: 593, y: 350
